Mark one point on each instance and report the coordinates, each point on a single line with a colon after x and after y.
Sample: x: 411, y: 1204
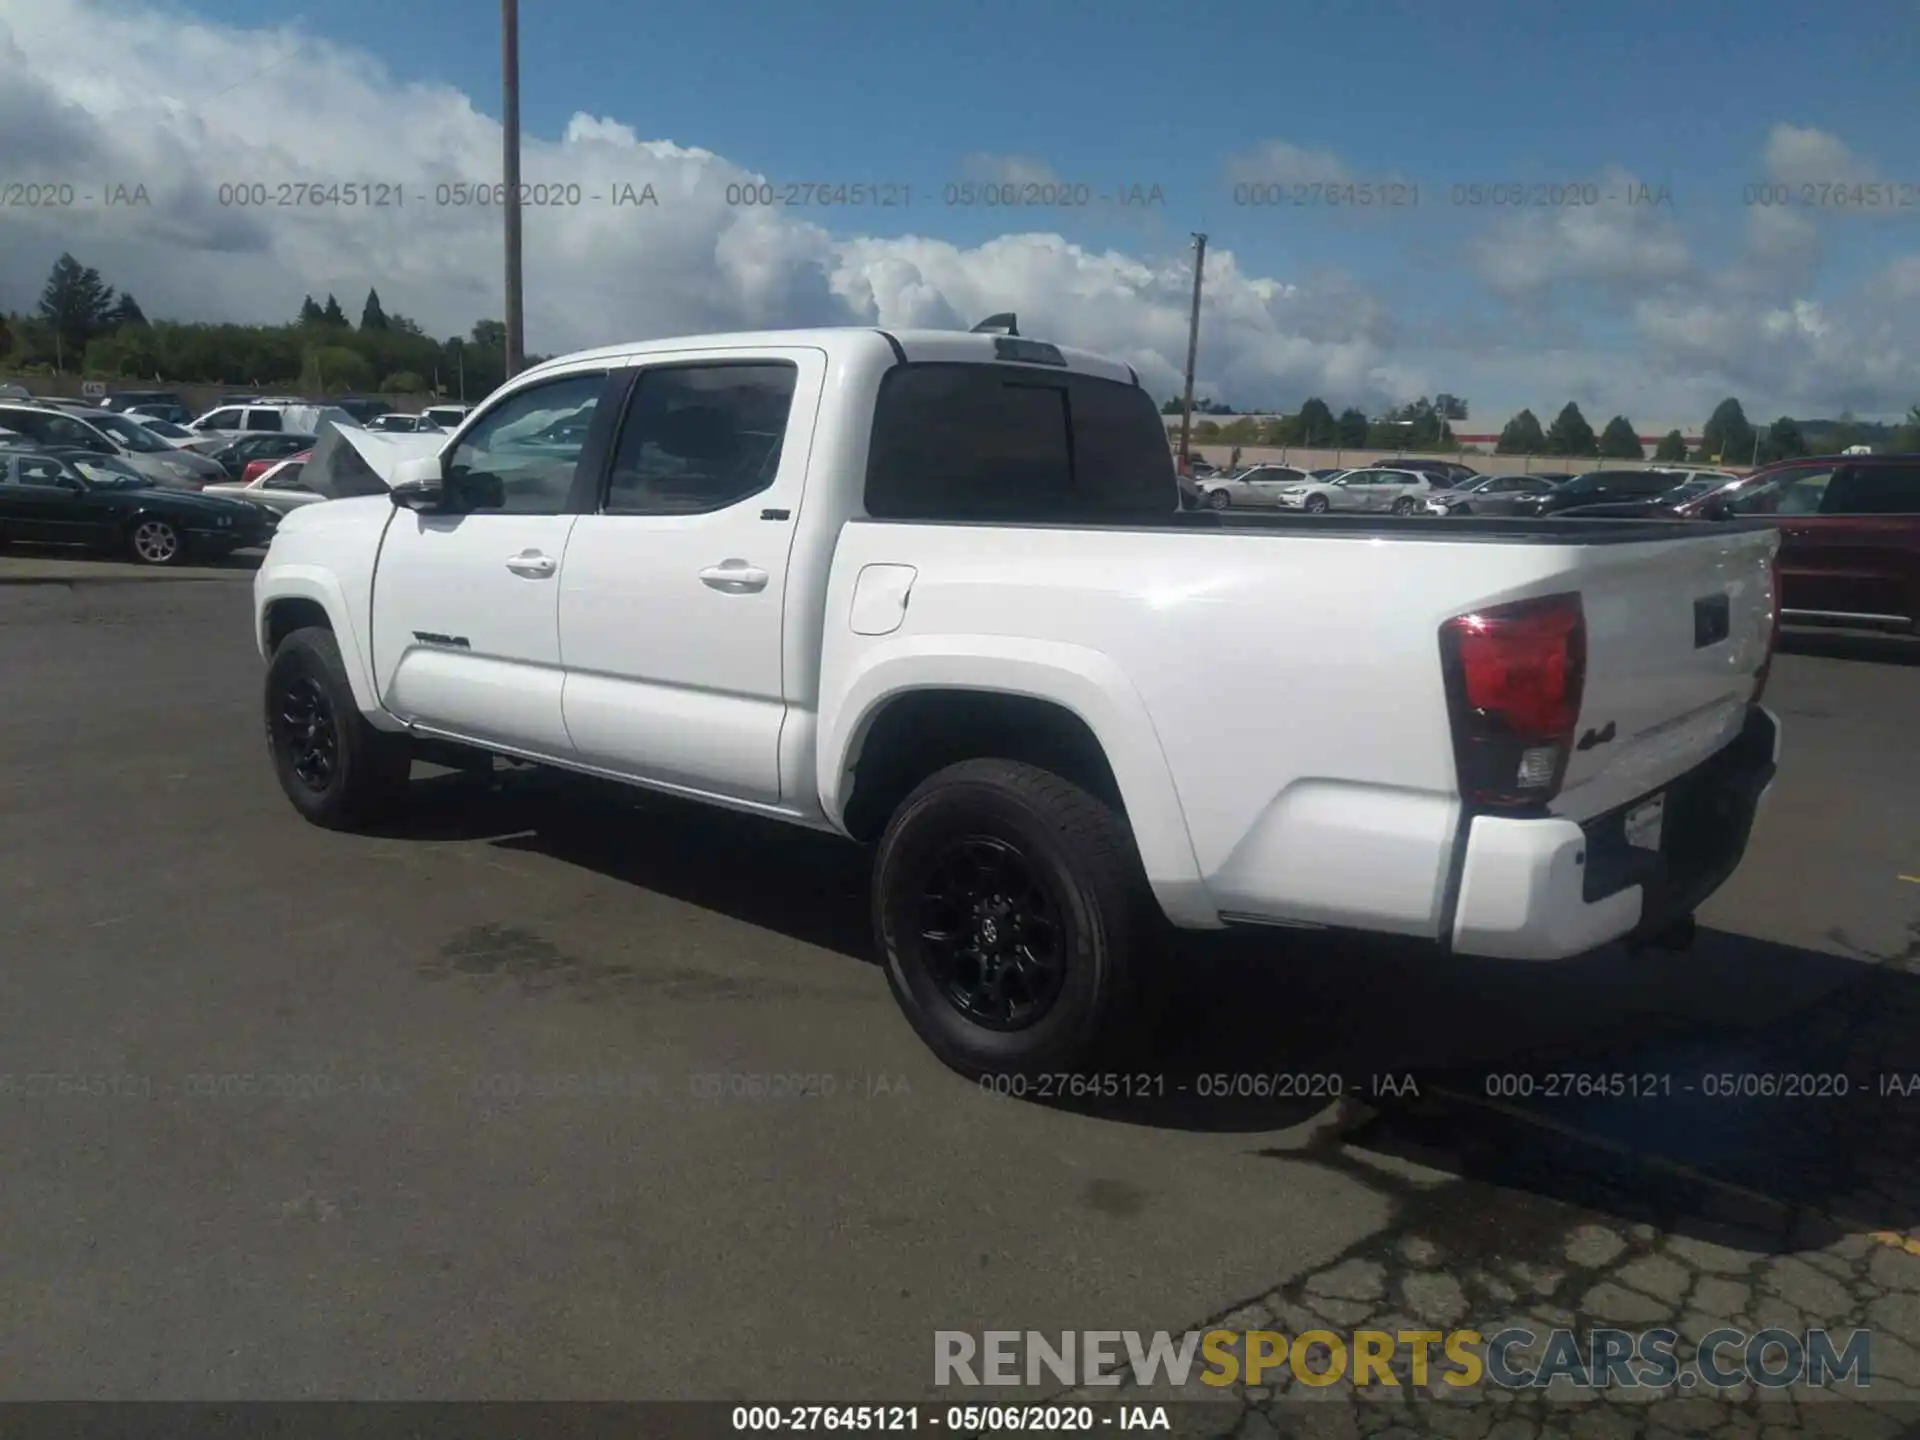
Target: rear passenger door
x: 673, y: 594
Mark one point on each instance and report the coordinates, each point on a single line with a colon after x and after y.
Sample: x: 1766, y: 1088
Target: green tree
x: 75, y: 303
x: 1570, y: 434
x: 1620, y: 441
x: 1206, y: 430
x: 372, y: 317
x: 1906, y: 438
x: 6, y: 338
x: 1352, y: 427
x: 1522, y: 436
x: 1727, y: 437
x: 1172, y: 406
x: 403, y: 382
x: 310, y: 311
x: 334, y: 368
x: 491, y: 335
x: 1783, y: 441
x: 333, y: 314
x: 1672, y: 447
x: 125, y: 311
x: 1315, y: 424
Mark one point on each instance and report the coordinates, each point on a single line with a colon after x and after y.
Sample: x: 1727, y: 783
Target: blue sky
x: 1680, y: 97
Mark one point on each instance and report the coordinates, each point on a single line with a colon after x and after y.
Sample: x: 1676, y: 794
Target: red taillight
x: 255, y: 469
x: 1514, y: 676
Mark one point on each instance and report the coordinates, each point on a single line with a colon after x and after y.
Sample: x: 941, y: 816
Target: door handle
x: 532, y: 564
x: 735, y: 577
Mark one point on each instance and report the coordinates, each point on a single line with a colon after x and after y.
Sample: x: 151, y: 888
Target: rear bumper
x: 1552, y: 888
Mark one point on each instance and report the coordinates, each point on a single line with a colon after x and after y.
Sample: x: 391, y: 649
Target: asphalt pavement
x: 553, y: 1092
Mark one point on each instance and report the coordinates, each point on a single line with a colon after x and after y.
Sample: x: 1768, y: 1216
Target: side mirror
x: 419, y: 483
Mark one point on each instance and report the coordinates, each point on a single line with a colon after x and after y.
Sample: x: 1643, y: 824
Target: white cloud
x: 185, y: 107
x: 1614, y: 243
x: 1799, y: 156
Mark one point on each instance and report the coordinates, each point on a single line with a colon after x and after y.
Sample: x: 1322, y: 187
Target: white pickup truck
x: 934, y: 590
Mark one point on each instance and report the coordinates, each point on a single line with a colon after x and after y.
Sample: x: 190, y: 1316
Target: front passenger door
x: 466, y: 634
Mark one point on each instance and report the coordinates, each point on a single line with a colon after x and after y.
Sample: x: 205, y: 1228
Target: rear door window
x: 1874, y: 490
x: 1008, y: 442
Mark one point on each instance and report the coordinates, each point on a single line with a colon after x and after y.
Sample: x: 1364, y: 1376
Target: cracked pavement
x: 450, y: 1222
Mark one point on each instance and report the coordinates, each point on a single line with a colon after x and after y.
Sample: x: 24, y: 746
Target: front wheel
x: 155, y: 542
x: 336, y: 768
x: 1219, y: 499
x: 1315, y: 505
x: 1008, y: 906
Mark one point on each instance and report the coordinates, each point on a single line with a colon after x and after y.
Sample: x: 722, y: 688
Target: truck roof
x: 851, y: 341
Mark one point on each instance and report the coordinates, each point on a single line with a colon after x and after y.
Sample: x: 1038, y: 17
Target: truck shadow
x: 1750, y: 1082
x: 1863, y: 646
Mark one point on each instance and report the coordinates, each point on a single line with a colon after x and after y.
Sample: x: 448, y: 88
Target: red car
x: 1849, y: 535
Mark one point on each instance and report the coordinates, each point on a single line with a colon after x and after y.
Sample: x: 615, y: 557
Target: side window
x: 263, y: 420
x: 1796, y: 492
x: 698, y: 438
x: 1874, y: 490
x: 27, y: 422
x: 521, y: 458
x: 65, y: 430
x: 223, y: 420
x: 40, y: 472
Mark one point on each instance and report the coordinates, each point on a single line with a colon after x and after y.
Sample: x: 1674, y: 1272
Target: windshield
x: 166, y: 429
x: 130, y: 433
x: 109, y: 474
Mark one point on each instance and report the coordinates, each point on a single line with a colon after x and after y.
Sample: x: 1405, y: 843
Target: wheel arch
x: 296, y: 599
x: 909, y: 712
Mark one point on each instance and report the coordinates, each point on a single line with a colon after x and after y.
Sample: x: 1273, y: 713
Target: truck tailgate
x: 1677, y: 633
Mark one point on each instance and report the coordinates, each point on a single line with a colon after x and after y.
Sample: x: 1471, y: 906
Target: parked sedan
x: 278, y: 488
x: 1399, y: 492
x: 81, y: 497
x: 1489, y: 495
x: 1257, y: 485
x: 234, y: 457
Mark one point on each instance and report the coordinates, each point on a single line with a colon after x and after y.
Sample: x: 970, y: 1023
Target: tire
x: 153, y: 541
x: 1403, y: 506
x: 987, y: 827
x: 1314, y: 504
x: 1219, y: 499
x: 364, y: 771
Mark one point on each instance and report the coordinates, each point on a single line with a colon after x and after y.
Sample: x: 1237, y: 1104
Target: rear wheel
x: 336, y: 768
x: 1404, y: 505
x: 1008, y: 906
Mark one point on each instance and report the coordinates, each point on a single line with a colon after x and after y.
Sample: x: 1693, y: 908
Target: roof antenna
x: 997, y: 324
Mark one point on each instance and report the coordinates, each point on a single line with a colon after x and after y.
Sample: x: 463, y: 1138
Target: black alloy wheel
x: 306, y: 732
x: 991, y: 933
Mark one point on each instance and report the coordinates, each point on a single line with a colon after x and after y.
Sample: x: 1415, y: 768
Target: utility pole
x: 1193, y: 351
x: 510, y: 172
